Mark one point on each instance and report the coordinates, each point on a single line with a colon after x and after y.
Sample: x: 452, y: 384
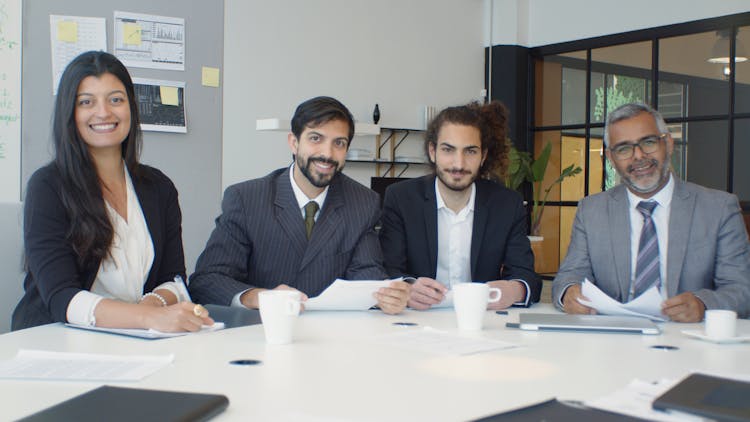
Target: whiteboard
x: 10, y: 101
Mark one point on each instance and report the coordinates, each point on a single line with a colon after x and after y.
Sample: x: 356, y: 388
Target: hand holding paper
x: 646, y: 305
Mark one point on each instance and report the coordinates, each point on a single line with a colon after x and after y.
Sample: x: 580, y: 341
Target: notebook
x: 709, y: 396
x: 118, y: 404
x: 599, y: 323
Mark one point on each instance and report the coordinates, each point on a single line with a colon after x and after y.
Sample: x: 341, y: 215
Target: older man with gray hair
x: 655, y: 230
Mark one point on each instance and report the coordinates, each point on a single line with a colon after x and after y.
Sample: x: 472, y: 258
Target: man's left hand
x: 685, y: 307
x: 513, y: 292
x: 392, y: 299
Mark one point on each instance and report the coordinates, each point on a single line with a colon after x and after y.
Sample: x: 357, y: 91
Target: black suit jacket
x: 500, y: 249
x: 53, y: 276
x: 260, y: 240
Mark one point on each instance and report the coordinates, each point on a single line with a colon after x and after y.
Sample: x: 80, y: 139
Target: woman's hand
x: 183, y: 316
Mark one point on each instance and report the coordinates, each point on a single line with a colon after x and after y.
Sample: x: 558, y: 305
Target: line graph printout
x: 150, y: 41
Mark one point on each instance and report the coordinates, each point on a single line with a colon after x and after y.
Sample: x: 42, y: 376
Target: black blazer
x: 260, y: 240
x: 53, y: 276
x: 500, y: 249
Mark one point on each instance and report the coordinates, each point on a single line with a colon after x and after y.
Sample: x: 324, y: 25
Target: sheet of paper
x: 61, y: 366
x: 345, y: 295
x: 71, y: 36
x: 156, y: 42
x: 636, y: 398
x: 646, y: 305
x: 150, y: 334
x: 210, y: 76
x: 431, y: 340
x: 161, y: 105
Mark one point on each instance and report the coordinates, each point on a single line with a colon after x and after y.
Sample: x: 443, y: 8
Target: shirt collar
x: 300, y: 196
x: 663, y: 197
x: 469, y: 205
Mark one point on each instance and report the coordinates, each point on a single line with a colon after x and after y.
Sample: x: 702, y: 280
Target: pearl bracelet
x: 156, y: 295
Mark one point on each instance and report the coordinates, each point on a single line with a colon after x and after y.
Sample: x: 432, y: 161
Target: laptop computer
x: 709, y: 396
x: 233, y: 316
x: 598, y: 323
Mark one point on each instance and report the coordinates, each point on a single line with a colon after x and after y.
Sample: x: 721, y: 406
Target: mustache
x: 652, y: 161
x: 323, y: 160
x: 459, y: 171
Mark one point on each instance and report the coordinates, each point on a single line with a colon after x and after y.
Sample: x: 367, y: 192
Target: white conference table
x: 340, y: 369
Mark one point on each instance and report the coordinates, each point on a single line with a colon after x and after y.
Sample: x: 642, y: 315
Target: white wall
x: 534, y: 23
x: 400, y: 54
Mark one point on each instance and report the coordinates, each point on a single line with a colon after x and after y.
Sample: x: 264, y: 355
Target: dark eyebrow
x: 445, y: 143
x: 117, y: 91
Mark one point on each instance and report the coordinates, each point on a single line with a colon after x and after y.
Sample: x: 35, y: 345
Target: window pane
x: 560, y: 89
x: 627, y: 70
x: 707, y: 153
x: 741, y: 153
x: 742, y: 80
x: 684, y: 61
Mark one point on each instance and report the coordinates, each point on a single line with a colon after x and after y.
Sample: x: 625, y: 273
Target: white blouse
x: 124, y: 271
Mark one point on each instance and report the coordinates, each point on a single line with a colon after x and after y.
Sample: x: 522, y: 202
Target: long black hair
x: 90, y: 231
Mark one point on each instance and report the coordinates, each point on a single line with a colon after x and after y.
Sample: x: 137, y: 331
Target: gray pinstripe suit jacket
x: 708, y: 251
x: 260, y: 241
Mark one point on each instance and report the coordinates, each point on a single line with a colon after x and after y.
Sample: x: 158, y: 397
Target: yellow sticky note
x: 210, y: 76
x: 169, y: 95
x: 67, y: 31
x: 131, y: 34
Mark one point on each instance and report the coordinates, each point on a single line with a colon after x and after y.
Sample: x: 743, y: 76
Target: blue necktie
x: 647, y: 266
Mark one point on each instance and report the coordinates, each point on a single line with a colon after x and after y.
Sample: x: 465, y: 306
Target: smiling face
x: 457, y: 156
x: 320, y: 154
x: 644, y: 174
x: 102, y: 112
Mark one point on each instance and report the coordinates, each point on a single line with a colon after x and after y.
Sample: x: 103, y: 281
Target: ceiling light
x: 720, y: 50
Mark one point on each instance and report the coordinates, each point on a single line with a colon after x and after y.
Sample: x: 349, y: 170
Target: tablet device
x: 233, y: 316
x: 598, y: 323
x: 118, y: 404
x: 709, y: 396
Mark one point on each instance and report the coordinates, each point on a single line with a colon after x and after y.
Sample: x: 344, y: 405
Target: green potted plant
x: 523, y: 168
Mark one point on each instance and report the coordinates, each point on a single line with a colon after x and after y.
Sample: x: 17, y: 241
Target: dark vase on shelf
x: 376, y: 114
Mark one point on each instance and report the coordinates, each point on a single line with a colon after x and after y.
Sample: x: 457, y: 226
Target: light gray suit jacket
x: 708, y: 252
x: 260, y: 240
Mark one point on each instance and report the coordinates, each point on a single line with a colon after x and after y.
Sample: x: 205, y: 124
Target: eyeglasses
x: 648, y: 145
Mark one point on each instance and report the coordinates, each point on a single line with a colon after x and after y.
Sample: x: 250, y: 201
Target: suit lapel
x: 149, y: 201
x: 480, y: 223
x: 429, y: 212
x: 619, y: 218
x: 329, y: 220
x: 680, y: 218
x: 288, y: 214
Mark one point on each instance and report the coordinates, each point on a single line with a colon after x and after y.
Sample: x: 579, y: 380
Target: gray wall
x: 192, y: 160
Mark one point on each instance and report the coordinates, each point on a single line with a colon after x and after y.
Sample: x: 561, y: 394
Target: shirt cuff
x: 81, y: 308
x: 528, y: 293
x: 236, y: 300
x: 176, y: 291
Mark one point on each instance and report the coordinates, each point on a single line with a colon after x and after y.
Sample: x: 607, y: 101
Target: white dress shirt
x: 454, y: 240
x: 660, y: 216
x: 125, y: 269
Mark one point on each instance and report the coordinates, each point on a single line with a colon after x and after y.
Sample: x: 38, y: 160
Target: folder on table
x: 717, y: 398
x: 117, y: 404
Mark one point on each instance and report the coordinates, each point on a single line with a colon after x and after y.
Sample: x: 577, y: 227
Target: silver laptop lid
x: 603, y: 323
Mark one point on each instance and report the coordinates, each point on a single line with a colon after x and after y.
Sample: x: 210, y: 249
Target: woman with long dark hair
x: 102, y: 233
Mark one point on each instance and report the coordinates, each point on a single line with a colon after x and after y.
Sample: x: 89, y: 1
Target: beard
x: 640, y: 187
x: 316, y: 179
x: 445, y: 177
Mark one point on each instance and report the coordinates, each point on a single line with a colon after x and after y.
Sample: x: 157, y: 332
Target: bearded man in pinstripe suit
x: 299, y: 227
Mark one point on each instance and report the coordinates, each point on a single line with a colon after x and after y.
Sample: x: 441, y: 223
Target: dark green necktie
x: 310, y: 209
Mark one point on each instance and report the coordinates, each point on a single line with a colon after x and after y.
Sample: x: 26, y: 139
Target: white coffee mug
x: 721, y: 324
x: 470, y: 303
x: 278, y: 312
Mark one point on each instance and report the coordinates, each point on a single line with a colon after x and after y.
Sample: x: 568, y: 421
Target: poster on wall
x: 10, y: 101
x: 71, y: 36
x: 161, y: 105
x: 155, y: 42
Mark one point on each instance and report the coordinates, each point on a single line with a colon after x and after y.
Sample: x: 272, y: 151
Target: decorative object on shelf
x: 376, y: 114
x: 521, y: 168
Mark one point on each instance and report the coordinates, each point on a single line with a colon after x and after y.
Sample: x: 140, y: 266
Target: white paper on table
x: 62, y: 366
x: 150, y: 333
x: 431, y: 340
x: 346, y: 295
x: 636, y: 398
x: 646, y: 305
